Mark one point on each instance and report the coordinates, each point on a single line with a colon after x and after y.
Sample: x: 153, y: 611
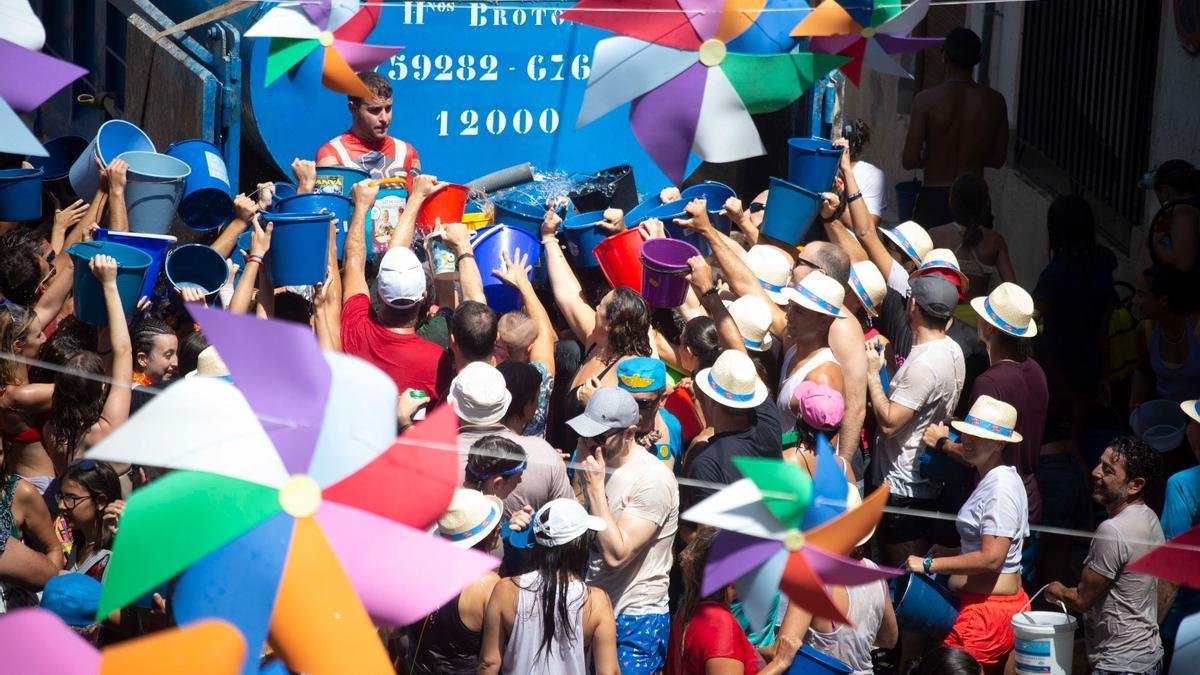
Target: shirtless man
x: 957, y: 127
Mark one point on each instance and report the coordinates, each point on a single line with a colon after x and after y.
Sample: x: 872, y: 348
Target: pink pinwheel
x: 762, y: 549
x: 832, y: 30
x: 27, y: 79
x: 293, y: 509
x: 338, y: 27
x: 676, y: 60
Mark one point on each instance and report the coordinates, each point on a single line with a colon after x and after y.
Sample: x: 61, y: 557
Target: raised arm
x: 327, y: 304
x: 516, y: 274
x: 116, y: 405
x: 305, y: 171
x: 470, y: 278
x: 568, y: 294
x: 354, y: 251
x: 118, y: 215
x: 423, y: 186
x: 701, y: 279
x: 64, y: 220
x: 260, y: 243
x: 244, y: 211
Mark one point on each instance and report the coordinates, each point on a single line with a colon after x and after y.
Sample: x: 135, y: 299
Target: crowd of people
x: 589, y: 420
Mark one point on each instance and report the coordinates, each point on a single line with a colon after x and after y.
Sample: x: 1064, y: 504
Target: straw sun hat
x: 819, y: 293
x: 471, y: 517
x: 991, y: 419
x: 753, y: 319
x: 1009, y: 308
x: 945, y: 260
x: 732, y: 381
x: 868, y: 286
x: 911, y: 238
x: 773, y: 268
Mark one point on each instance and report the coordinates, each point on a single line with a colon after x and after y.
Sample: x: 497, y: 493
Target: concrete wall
x: 1018, y: 203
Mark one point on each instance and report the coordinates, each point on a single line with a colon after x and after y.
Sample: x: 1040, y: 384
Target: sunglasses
x: 647, y: 403
x: 755, y: 207
x: 601, y: 439
x: 86, y: 464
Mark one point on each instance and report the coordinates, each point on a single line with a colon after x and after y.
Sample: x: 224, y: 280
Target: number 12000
x: 496, y: 122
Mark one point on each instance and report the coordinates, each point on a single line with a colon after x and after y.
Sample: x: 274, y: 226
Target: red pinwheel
x: 832, y: 30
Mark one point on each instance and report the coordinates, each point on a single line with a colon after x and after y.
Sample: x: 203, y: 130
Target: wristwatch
x: 928, y: 564
x: 941, y: 443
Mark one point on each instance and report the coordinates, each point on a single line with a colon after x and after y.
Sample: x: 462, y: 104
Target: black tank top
x: 442, y: 644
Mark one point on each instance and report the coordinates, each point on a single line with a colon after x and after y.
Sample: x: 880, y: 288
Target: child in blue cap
x: 658, y: 430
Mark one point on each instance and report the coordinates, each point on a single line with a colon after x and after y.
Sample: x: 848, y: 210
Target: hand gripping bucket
x: 154, y: 245
x: 925, y: 605
x: 115, y: 138
x: 620, y: 258
x: 299, y: 248
x: 812, y: 163
x: 21, y: 194
x: 664, y: 266
x: 809, y: 661
x: 207, y: 194
x: 790, y: 211
x: 487, y: 247
x: 154, y: 185
x: 1045, y: 641
x: 1161, y: 424
x: 716, y: 195
x: 521, y: 216
x: 89, y: 294
x: 446, y: 205
x: 314, y: 202
x: 196, y: 266
x: 906, y: 198
x: 582, y: 234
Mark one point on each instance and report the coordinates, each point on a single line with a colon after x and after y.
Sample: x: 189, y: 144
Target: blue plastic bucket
x: 925, y: 606
x: 668, y: 212
x: 338, y: 180
x: 582, y: 234
x: 813, y: 162
x: 642, y: 211
x: 115, y: 138
x: 196, y: 266
x: 299, y: 248
x: 716, y: 195
x: 154, y: 185
x: 790, y: 211
x: 284, y: 189
x: 906, y: 198
x: 314, y: 202
x: 809, y: 661
x: 207, y: 194
x: 521, y: 216
x: 20, y: 194
x: 1161, y: 424
x: 89, y: 294
x: 63, y: 151
x: 487, y: 246
x: 154, y: 245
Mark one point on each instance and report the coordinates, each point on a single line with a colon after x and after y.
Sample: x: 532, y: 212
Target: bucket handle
x: 383, y: 182
x: 1034, y: 597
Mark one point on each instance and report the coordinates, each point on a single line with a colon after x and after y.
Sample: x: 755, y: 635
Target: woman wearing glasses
x: 88, y: 498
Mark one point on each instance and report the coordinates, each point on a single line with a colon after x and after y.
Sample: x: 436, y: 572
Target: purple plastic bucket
x: 664, y: 266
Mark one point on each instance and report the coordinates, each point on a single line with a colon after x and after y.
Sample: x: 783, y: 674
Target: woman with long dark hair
x: 89, y: 498
x: 705, y: 637
x: 548, y: 620
x: 981, y: 251
x: 84, y: 409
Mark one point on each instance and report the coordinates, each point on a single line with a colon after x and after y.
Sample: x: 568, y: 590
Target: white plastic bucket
x: 1045, y: 641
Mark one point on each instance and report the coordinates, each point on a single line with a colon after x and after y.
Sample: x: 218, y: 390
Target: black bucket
x: 614, y: 187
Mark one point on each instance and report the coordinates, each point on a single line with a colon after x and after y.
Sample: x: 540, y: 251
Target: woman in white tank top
x: 852, y: 643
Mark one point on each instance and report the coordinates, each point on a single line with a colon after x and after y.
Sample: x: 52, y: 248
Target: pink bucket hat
x: 821, y: 407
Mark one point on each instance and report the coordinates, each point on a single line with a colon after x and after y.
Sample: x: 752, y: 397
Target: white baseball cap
x: 401, y: 277
x: 562, y: 521
x: 478, y: 394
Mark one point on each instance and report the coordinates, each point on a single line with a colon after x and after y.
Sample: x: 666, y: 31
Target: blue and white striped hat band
x: 815, y: 299
x: 989, y: 426
x: 1001, y: 323
x: 725, y: 393
x: 860, y: 291
x: 487, y: 524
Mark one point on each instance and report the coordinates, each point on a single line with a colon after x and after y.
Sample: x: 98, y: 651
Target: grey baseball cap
x: 935, y: 295
x: 609, y: 408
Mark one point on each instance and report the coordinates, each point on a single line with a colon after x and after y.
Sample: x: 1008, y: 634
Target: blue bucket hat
x: 74, y: 597
x: 642, y: 374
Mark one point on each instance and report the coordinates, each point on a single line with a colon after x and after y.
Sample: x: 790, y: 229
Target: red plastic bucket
x: 445, y: 205
x: 620, y: 258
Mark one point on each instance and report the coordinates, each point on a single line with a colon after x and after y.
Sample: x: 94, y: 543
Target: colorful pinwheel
x: 336, y: 26
x: 28, y: 78
x: 762, y: 547
x: 691, y: 90
x: 833, y: 30
x: 36, y: 641
x: 291, y: 500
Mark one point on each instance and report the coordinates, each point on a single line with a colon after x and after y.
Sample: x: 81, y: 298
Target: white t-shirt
x: 644, y: 487
x: 929, y: 383
x: 872, y: 183
x: 999, y: 508
x: 897, y: 279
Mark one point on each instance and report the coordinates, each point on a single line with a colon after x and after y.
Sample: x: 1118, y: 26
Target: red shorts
x: 984, y: 625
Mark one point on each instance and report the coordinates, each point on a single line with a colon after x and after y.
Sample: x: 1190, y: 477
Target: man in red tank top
x: 367, y: 145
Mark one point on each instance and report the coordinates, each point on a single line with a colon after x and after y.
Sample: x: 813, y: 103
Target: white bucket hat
x: 732, y: 381
x: 753, y: 319
x: 991, y: 419
x: 209, y: 364
x: 1191, y: 409
x: 942, y: 259
x: 819, y: 293
x: 773, y: 268
x: 911, y: 238
x: 1009, y: 308
x: 868, y: 286
x: 471, y: 517
x: 479, y: 395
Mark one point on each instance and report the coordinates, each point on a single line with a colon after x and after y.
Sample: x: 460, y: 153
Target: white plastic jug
x: 1045, y: 641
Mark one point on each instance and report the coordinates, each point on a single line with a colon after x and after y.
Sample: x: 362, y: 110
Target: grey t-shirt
x: 1121, y: 629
